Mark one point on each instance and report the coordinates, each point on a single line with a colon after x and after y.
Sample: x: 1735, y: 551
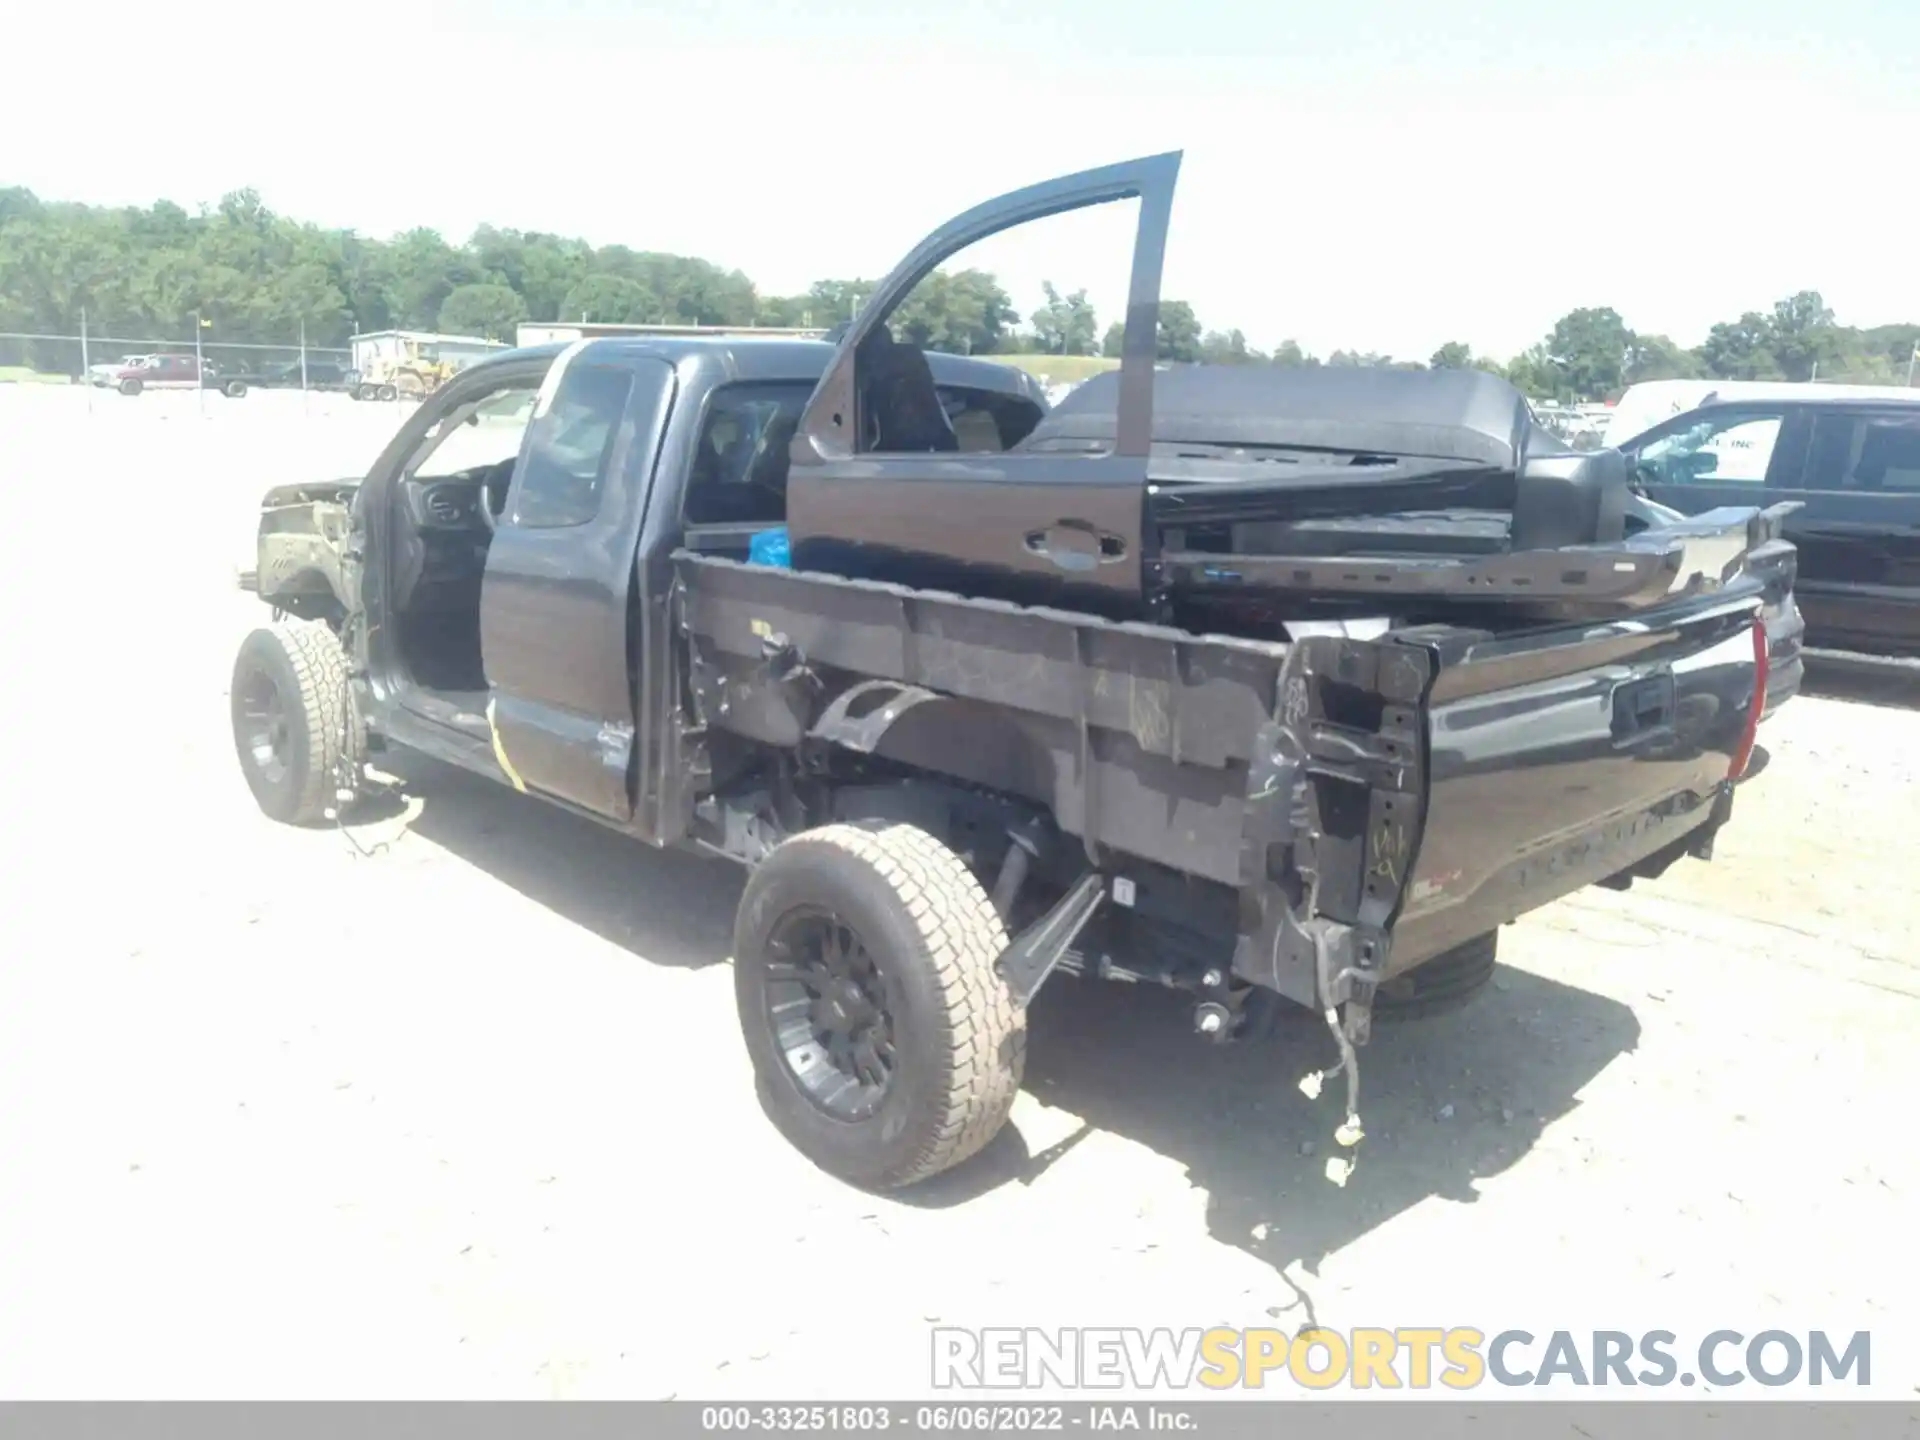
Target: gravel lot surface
x: 470, y: 1116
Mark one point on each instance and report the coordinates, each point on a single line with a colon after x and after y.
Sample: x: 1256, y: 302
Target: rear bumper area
x: 1786, y: 634
x: 1424, y: 811
x: 1786, y: 669
x: 1639, y: 845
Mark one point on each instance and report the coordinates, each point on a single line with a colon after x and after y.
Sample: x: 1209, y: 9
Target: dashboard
x: 442, y: 552
x: 450, y: 504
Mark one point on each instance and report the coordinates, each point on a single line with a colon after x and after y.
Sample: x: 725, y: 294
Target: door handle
x: 1076, y: 545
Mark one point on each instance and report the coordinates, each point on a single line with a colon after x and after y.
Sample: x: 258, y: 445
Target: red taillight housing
x: 1744, y: 751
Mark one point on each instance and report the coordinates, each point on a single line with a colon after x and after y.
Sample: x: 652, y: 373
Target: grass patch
x: 22, y: 375
x: 1057, y: 369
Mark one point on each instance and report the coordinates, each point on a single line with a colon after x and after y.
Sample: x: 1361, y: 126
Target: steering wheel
x: 502, y: 472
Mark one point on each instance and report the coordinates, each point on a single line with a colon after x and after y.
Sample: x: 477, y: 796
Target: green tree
x: 962, y: 312
x: 1065, y: 325
x: 1590, y: 348
x: 1801, y: 335
x: 1454, y: 355
x: 1178, y: 333
x: 1741, y: 349
x: 1535, y: 373
x: 1655, y: 357
x: 142, y: 275
x: 489, y: 311
x: 1227, y: 348
x: 1113, y: 344
x: 830, y: 302
x: 609, y: 300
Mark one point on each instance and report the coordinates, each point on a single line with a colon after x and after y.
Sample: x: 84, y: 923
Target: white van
x: 1645, y: 405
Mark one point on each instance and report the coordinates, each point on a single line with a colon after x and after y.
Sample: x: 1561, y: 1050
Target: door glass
x: 559, y: 483
x: 1718, y: 450
x: 476, y: 435
x: 997, y: 300
x: 1866, y: 452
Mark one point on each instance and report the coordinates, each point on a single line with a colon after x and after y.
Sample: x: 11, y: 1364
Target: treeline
x: 246, y: 274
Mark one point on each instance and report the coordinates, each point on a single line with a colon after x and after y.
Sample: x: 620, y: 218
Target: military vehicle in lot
x: 1272, y: 693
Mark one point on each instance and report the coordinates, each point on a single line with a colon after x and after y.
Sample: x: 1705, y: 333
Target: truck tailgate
x: 1569, y: 756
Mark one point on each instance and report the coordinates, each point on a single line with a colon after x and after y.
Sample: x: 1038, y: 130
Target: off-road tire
x: 235, y: 389
x: 1444, y: 984
x: 131, y: 387
x: 959, y: 1038
x: 388, y: 392
x: 365, y: 392
x: 308, y: 668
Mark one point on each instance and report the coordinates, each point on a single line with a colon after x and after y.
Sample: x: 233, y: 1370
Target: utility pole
x: 1910, y: 361
x: 199, y: 366
x: 87, y: 380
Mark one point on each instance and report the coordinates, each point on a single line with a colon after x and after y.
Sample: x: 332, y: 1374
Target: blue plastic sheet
x: 769, y: 547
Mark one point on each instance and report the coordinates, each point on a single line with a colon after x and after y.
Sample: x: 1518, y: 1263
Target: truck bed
x: 1390, y: 797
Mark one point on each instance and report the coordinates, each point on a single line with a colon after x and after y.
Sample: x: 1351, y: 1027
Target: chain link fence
x: 65, y: 359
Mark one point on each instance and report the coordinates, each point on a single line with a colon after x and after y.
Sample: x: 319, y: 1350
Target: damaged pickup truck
x: 1278, y: 695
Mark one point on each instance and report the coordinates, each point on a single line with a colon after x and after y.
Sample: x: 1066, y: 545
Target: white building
x: 392, y: 346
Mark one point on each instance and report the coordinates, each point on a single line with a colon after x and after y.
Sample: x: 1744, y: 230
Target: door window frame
x: 1784, y: 463
x: 831, y: 426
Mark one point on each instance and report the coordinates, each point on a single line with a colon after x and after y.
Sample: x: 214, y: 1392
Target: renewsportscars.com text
x: 1461, y: 1358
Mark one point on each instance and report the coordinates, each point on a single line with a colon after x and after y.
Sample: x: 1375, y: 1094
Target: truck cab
x: 511, y: 543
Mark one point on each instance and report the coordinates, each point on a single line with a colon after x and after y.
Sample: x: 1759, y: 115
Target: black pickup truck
x: 1845, y: 468
x: 1270, y: 695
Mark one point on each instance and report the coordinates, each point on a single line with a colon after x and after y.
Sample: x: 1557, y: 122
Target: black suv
x: 1854, y: 466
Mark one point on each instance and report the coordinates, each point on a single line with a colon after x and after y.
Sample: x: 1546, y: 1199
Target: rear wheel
x: 886, y: 1047
x: 388, y: 392
x: 236, y: 388
x: 292, y: 719
x: 365, y: 392
x: 1442, y: 985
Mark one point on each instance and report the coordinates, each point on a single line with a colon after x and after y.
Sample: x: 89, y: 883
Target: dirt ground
x: 468, y: 1114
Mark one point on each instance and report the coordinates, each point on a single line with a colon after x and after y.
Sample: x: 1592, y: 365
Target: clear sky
x: 1379, y: 176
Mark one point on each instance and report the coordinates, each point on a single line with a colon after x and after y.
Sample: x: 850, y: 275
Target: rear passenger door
x: 1859, y: 535
x: 557, y: 600
x: 1049, y: 533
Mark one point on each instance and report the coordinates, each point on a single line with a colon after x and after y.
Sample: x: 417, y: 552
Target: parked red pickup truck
x: 134, y: 373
